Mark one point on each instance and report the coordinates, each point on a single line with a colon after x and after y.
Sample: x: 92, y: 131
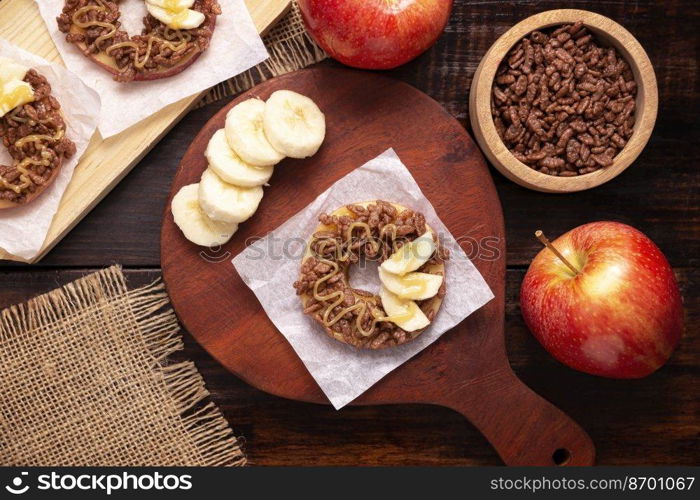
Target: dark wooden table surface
x: 649, y: 421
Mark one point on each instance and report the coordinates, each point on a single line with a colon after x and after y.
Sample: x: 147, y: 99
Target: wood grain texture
x: 106, y: 161
x: 608, y: 33
x: 653, y: 421
x: 633, y: 422
x: 660, y: 194
x: 467, y: 369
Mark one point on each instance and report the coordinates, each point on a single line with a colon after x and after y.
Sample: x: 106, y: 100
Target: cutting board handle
x: 523, y: 427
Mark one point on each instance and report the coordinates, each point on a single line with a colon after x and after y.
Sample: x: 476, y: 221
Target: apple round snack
x: 406, y: 304
x: 175, y: 34
x: 32, y: 125
x: 293, y: 124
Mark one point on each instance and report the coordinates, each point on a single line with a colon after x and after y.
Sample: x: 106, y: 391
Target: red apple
x: 620, y: 315
x: 375, y: 34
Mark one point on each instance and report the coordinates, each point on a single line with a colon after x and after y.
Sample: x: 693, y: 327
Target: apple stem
x: 540, y: 236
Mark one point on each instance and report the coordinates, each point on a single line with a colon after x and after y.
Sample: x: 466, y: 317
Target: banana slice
x: 225, y: 202
x: 412, y: 286
x: 172, y: 5
x: 293, y: 124
x: 194, y: 224
x: 228, y: 165
x: 411, y: 256
x: 404, y: 313
x: 185, y: 19
x: 14, y: 93
x: 245, y: 133
x: 11, y: 70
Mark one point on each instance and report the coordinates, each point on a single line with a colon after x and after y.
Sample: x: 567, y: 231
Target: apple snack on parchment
x: 412, y: 274
x: 175, y: 33
x: 34, y: 132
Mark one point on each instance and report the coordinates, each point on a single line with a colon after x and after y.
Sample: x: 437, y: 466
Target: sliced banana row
x: 401, y: 286
x: 241, y: 159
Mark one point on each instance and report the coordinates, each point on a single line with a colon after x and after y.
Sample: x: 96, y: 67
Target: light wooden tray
x: 105, y: 162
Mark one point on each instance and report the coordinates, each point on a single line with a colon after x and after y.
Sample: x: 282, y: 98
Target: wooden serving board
x: 105, y: 162
x: 467, y: 368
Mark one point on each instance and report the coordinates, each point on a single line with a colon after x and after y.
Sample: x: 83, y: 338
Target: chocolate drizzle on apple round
x: 94, y: 26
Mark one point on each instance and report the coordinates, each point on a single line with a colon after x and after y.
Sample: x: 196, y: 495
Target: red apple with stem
x: 375, y: 34
x: 603, y: 299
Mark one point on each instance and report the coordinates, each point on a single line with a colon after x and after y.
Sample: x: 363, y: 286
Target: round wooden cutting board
x: 467, y: 368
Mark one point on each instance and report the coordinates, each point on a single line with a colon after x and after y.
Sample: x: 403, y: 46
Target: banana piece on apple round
x: 174, y: 5
x: 294, y: 124
x: 194, y: 223
x: 225, y: 202
x: 411, y: 256
x: 15, y: 93
x: 11, y: 70
x: 245, y: 133
x: 224, y: 161
x: 175, y: 16
x: 404, y: 313
x: 411, y: 286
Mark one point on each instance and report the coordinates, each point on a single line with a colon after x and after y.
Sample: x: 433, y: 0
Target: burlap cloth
x: 85, y: 380
x: 290, y: 48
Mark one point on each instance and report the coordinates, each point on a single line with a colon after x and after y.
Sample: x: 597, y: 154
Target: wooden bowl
x: 608, y: 32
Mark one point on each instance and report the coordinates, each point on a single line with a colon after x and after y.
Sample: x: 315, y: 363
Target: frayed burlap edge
x: 290, y: 48
x: 160, y: 335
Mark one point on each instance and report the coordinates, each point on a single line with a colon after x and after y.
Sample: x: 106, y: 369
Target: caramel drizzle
x: 183, y: 38
x: 87, y: 24
x: 24, y: 177
x: 19, y: 119
x: 339, y: 295
x: 13, y: 116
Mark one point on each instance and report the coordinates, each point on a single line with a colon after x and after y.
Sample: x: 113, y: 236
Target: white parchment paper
x: 23, y: 229
x: 270, y: 266
x: 235, y: 47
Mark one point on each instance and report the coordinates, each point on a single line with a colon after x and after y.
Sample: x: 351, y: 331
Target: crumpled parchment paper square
x: 270, y: 266
x: 23, y: 229
x: 235, y: 47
